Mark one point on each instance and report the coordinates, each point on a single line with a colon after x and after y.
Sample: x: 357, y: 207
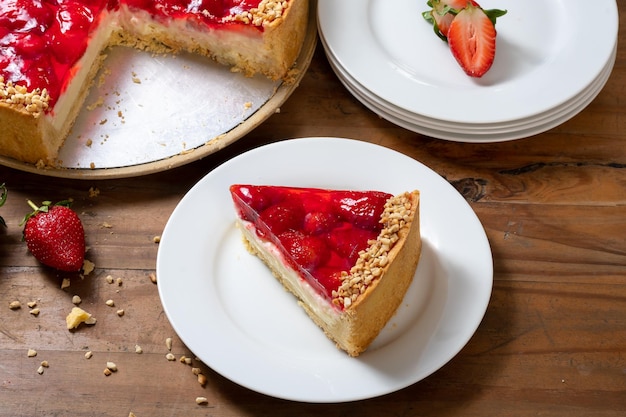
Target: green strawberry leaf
x: 494, y: 14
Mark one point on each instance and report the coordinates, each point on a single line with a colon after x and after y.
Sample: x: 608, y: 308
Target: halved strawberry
x: 472, y: 40
x: 442, y: 14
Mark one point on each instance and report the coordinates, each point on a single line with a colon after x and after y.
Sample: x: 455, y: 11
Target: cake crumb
x: 94, y: 192
x: 88, y: 143
x: 97, y: 103
x: 65, y: 283
x: 78, y: 316
x: 88, y: 267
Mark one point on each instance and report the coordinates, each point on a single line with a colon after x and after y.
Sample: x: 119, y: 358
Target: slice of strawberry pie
x: 348, y: 256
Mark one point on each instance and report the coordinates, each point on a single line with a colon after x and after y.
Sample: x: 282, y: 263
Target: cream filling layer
x: 139, y: 25
x: 66, y: 105
x: 290, y: 278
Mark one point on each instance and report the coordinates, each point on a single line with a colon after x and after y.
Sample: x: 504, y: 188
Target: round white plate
x: 477, y: 134
x: 232, y: 313
x: 543, y: 59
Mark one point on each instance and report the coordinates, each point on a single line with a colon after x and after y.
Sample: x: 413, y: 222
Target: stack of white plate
x: 553, y: 58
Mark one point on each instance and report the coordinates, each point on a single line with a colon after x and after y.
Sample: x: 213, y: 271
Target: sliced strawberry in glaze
x: 288, y: 215
x: 320, y: 231
x: 306, y: 251
x: 319, y: 222
x: 363, y: 210
x: 348, y: 241
x: 472, y: 40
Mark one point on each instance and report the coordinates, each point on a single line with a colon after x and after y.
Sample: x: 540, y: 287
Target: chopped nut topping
x: 76, y: 300
x: 88, y: 355
x: 264, y: 14
x: 138, y: 349
x: 202, y: 379
x: 170, y: 357
x: 201, y: 400
x: 111, y: 366
x: 168, y: 343
x: 65, y: 283
x: 78, y: 316
x: 15, y: 305
x: 34, y: 102
x: 369, y: 266
x: 88, y: 267
x: 32, y: 353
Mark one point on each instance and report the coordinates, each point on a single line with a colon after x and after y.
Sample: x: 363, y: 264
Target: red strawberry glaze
x: 320, y: 232
x: 41, y: 41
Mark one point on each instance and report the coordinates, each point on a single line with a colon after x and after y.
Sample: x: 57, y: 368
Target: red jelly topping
x: 320, y: 232
x: 41, y: 41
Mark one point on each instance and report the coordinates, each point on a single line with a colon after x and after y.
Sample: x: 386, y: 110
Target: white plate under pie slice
x: 547, y: 52
x: 232, y: 313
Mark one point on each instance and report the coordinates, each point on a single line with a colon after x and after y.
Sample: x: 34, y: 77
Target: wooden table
x: 552, y: 342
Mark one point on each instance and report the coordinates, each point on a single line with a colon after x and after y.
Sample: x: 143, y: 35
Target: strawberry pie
x: 348, y: 256
x: 50, y: 51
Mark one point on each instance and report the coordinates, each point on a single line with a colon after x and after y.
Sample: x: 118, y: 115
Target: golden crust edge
x: 384, y: 295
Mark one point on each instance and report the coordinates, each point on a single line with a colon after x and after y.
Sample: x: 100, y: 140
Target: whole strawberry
x: 55, y: 236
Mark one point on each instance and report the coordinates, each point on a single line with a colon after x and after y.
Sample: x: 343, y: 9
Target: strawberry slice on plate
x: 442, y: 13
x: 472, y: 40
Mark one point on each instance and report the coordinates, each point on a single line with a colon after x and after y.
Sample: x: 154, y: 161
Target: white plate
x: 476, y: 134
x: 232, y: 313
x: 543, y: 59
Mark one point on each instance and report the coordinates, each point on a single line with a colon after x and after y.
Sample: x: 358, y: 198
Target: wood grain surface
x: 552, y: 342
